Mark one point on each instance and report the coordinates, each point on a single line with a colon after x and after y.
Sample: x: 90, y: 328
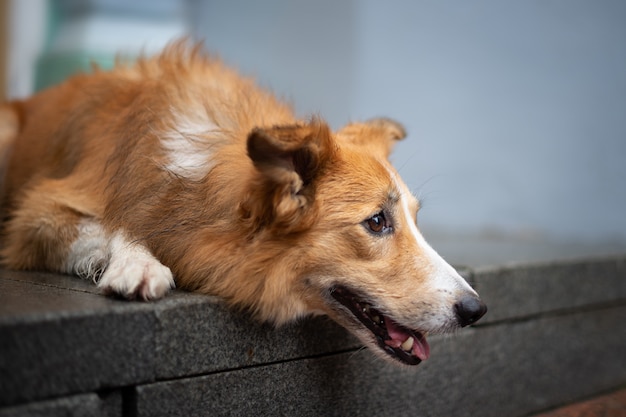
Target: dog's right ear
x: 287, y: 160
x: 377, y: 135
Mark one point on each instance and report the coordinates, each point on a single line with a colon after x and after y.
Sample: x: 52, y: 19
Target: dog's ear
x: 287, y: 160
x: 377, y: 135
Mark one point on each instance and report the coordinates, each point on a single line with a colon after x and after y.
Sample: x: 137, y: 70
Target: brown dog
x: 178, y: 170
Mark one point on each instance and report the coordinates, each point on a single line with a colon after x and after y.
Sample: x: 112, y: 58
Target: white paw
x: 134, y: 273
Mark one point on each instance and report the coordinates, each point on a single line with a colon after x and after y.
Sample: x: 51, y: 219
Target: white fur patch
x: 134, y: 272
x: 190, y: 144
x: 444, y: 276
x: 89, y: 254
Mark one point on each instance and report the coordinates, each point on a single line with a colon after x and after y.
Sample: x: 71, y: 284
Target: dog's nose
x: 469, y: 310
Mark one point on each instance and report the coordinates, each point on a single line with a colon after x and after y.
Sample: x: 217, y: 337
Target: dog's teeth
x: 407, y: 345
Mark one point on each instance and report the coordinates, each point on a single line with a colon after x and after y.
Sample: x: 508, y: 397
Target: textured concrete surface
x: 553, y: 335
x: 197, y: 337
x: 58, y: 336
x: 495, y: 371
x: 84, y: 405
x: 54, y: 341
x: 527, y: 290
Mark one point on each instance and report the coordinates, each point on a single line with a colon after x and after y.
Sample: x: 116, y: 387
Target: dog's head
x: 345, y: 226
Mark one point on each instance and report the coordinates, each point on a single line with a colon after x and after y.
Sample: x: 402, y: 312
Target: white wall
x: 26, y: 35
x: 520, y: 107
x: 516, y: 110
x: 303, y: 50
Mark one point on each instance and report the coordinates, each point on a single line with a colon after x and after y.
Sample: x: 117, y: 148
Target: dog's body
x: 178, y: 170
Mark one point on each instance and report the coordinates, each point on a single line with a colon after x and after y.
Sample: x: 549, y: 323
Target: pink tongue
x: 421, y: 349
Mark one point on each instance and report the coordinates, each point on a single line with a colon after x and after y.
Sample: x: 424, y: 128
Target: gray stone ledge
x: 83, y: 405
x: 520, y: 291
x: 196, y: 339
x: 59, y: 337
x: 54, y: 341
x: 505, y: 370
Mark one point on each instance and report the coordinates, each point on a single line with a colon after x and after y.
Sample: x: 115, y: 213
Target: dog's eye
x: 377, y: 223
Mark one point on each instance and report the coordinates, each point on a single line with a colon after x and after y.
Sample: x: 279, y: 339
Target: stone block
x: 199, y: 336
x: 82, y: 405
x: 59, y: 336
x: 54, y: 341
x: 509, y: 369
x: 527, y: 290
x: 554, y: 333
x: 49, y: 279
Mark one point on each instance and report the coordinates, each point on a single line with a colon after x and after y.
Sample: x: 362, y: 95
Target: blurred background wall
x: 516, y: 111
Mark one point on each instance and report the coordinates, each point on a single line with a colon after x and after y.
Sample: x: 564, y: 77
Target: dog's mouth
x: 405, y: 345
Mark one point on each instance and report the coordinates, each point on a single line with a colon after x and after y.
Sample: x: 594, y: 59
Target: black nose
x: 469, y: 310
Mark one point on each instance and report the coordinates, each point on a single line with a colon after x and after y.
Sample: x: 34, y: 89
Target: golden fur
x: 179, y: 158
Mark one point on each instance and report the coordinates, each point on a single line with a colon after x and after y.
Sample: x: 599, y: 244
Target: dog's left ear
x: 287, y: 160
x: 379, y: 135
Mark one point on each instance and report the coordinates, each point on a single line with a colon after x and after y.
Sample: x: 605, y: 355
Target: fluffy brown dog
x: 178, y: 170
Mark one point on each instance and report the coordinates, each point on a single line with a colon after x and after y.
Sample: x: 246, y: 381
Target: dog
x: 177, y: 171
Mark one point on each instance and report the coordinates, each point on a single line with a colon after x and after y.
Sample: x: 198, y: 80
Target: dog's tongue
x: 399, y: 336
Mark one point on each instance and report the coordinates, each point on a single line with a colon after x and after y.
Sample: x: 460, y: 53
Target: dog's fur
x: 178, y: 170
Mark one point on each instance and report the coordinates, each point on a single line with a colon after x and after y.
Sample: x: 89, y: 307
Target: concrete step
x: 554, y: 334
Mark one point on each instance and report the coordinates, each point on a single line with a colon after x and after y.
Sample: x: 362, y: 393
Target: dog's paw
x: 142, y: 278
x: 134, y: 273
